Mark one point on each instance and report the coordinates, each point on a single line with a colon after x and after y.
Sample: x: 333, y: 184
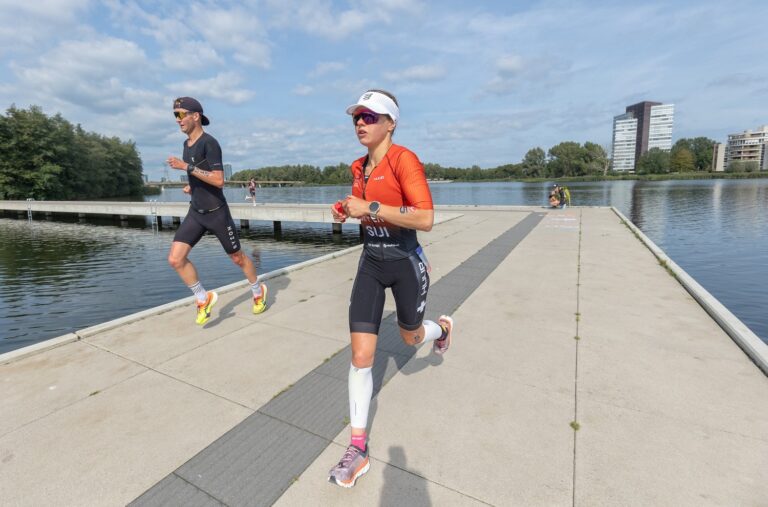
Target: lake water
x: 61, y: 276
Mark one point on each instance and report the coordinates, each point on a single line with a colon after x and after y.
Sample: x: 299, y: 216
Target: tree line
x: 687, y: 155
x: 566, y: 159
x: 47, y: 157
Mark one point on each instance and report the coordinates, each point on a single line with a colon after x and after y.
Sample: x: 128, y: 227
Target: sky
x: 478, y: 82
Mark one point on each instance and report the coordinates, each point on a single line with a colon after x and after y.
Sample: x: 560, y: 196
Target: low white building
x: 748, y: 146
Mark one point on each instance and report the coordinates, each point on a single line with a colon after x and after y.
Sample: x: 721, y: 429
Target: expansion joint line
x: 577, y: 339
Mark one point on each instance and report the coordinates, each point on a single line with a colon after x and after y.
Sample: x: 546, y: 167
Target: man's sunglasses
x: 368, y: 117
x: 182, y: 114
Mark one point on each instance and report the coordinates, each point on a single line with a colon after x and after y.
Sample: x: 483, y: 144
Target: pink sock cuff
x: 359, y: 441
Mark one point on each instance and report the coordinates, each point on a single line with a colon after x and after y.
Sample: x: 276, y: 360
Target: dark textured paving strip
x: 257, y: 460
x: 179, y: 491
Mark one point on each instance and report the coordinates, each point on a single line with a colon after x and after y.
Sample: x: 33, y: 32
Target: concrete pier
x: 581, y: 373
x: 245, y: 213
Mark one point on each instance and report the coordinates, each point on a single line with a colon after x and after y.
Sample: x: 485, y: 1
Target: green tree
x: 681, y: 160
x: 702, y: 149
x: 48, y: 158
x: 596, y: 159
x: 567, y: 159
x: 337, y: 174
x: 509, y: 171
x: 534, y: 163
x: 743, y: 166
x: 29, y: 166
x: 654, y: 161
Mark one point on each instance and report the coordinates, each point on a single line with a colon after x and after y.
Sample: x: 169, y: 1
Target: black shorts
x: 409, y: 281
x: 218, y: 223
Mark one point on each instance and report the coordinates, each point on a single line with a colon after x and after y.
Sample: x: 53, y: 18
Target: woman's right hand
x: 338, y: 212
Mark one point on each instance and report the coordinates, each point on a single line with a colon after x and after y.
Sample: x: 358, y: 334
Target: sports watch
x: 373, y: 209
x: 190, y: 168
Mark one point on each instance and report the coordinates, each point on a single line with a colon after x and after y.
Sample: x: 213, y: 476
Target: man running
x: 208, y: 209
x: 252, y: 190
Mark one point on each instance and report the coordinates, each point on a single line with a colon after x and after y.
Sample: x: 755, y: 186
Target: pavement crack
x: 575, y: 422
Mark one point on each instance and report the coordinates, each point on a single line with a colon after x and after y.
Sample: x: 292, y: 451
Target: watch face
x: 374, y: 207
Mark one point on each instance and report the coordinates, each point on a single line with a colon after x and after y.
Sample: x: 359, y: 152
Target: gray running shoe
x: 353, y: 464
x: 442, y: 345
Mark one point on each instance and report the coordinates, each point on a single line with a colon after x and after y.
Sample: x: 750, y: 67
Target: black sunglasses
x: 369, y: 118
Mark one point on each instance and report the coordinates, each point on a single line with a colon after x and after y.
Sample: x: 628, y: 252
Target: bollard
x: 244, y: 224
x: 336, y: 228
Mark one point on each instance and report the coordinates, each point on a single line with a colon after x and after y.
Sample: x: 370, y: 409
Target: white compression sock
x: 360, y: 393
x: 432, y: 331
x: 256, y: 289
x: 199, y: 291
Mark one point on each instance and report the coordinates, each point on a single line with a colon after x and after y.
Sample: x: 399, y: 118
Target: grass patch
x: 663, y: 263
x: 281, y: 392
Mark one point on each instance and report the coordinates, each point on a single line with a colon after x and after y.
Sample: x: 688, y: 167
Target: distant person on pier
x: 391, y: 197
x: 208, y: 210
x: 554, y: 196
x: 252, y: 190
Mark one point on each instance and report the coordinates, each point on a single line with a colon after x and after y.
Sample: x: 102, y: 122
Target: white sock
x: 360, y: 393
x: 256, y: 289
x: 432, y: 331
x: 199, y: 291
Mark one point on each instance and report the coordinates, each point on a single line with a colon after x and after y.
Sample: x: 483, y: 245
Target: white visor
x: 378, y: 103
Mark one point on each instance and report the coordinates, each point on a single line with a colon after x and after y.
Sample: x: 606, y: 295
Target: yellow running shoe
x: 204, y: 309
x: 260, y: 303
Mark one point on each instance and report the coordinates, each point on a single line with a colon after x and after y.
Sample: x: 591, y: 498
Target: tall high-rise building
x: 643, y: 126
x: 227, y: 172
x: 750, y: 146
x: 624, y: 134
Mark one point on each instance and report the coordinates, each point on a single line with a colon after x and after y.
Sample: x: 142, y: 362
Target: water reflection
x: 58, y: 276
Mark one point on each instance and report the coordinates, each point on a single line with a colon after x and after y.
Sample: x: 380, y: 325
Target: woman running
x: 391, y: 197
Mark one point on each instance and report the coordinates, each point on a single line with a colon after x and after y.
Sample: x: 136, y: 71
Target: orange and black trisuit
x: 391, y: 254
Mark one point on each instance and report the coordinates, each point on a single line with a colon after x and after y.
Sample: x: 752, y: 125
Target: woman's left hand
x: 356, y: 207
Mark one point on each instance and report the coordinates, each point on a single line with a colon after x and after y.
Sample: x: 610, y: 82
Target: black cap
x: 191, y: 104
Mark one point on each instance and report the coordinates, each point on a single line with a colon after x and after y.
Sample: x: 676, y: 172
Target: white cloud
x: 303, y: 90
x: 193, y: 55
x: 526, y: 76
x: 235, y: 30
x: 323, y: 68
x: 417, y: 73
x: 278, y: 141
x: 477, y: 128
x: 54, y: 11
x: 169, y: 31
x: 26, y: 25
x: 318, y: 18
x: 91, y: 74
x: 510, y: 64
x: 224, y: 86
